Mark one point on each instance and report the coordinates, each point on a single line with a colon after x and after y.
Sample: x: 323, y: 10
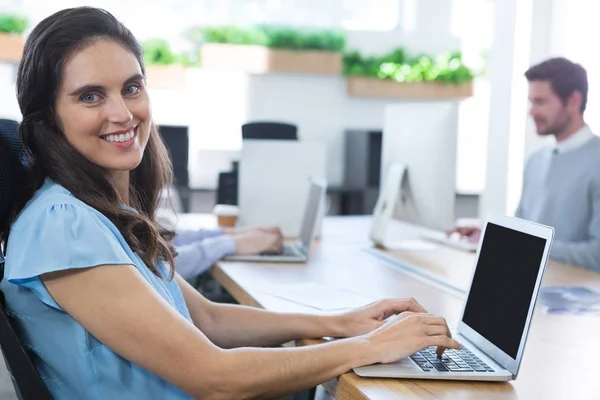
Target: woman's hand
x: 370, y: 317
x: 408, y: 333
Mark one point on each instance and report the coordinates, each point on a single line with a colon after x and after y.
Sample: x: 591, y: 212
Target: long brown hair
x: 40, y: 73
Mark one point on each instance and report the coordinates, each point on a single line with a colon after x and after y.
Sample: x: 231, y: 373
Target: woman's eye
x: 89, y: 98
x: 132, y: 89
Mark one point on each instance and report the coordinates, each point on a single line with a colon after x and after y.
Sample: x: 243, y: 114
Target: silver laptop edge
x: 302, y: 245
x: 484, y: 345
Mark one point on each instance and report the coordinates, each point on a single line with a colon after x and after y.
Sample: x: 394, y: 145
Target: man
x: 198, y: 249
x: 561, y: 184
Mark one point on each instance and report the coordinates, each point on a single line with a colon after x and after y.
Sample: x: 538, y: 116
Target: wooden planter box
x: 165, y: 76
x: 262, y: 60
x: 11, y: 47
x: 359, y: 86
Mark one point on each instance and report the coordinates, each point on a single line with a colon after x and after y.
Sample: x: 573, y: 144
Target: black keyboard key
x: 439, y: 366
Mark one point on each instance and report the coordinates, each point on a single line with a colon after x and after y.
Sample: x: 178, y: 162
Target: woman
x: 89, y: 274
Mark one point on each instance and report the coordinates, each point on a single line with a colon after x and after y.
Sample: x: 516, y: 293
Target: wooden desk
x: 562, y: 353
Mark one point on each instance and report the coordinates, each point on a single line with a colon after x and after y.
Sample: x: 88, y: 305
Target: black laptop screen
x: 503, y: 284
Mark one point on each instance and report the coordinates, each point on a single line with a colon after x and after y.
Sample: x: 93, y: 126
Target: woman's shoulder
x: 51, y: 201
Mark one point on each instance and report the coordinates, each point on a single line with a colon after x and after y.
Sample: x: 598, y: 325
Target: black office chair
x: 269, y: 131
x: 227, y: 189
x: 26, y: 381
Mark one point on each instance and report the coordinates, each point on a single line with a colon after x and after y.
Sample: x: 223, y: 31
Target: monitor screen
x: 503, y: 284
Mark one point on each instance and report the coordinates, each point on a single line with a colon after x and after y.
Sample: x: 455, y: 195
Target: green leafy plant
x: 10, y: 23
x: 158, y: 52
x: 399, y: 66
x: 189, y: 59
x: 232, y: 35
x: 276, y: 37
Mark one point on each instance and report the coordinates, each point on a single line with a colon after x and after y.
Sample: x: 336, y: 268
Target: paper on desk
x: 319, y: 296
x: 578, y: 300
x: 409, y: 245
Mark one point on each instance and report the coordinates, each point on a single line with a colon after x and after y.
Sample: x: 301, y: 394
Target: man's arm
x: 586, y: 253
x: 189, y: 236
x: 195, y: 258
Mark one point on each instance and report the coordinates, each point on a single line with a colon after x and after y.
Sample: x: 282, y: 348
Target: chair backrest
x: 26, y: 381
x: 12, y: 173
x: 269, y: 131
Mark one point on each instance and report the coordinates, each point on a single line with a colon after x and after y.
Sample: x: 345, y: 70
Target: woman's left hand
x: 365, y: 319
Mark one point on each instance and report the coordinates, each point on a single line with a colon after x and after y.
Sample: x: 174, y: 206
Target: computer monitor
x: 423, y: 137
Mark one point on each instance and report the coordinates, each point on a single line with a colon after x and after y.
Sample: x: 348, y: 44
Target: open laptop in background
x: 497, y: 315
x: 300, y: 250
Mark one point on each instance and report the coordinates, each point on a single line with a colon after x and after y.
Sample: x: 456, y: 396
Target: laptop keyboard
x: 452, y: 361
x: 286, y: 251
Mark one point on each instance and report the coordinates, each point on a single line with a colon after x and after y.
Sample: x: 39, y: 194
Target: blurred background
x: 208, y: 77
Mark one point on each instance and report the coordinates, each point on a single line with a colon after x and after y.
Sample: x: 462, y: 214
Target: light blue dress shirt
x: 56, y: 232
x: 197, y: 250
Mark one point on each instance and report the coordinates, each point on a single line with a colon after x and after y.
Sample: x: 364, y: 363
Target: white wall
x: 9, y: 108
x: 511, y: 136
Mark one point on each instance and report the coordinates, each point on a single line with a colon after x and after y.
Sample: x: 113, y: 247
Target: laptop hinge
x: 472, y: 345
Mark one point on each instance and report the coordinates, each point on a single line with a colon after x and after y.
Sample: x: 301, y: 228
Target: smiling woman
x: 89, y: 273
x: 79, y: 83
x: 101, y: 101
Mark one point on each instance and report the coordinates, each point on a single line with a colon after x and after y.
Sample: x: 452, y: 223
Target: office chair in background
x: 26, y: 381
x: 269, y: 131
x: 227, y: 187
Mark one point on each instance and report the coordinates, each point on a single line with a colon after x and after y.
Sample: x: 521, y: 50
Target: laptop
x: 500, y: 303
x: 300, y: 250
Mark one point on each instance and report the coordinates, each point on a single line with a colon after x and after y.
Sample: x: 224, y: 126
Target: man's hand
x: 370, y: 317
x: 472, y: 233
x: 258, y: 240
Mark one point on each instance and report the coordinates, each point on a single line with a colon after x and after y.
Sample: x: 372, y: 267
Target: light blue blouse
x: 56, y: 232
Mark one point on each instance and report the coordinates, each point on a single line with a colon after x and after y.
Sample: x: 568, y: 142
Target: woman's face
x: 103, y: 107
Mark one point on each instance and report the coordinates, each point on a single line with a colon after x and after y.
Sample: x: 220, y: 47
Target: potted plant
x: 12, y: 28
x: 164, y: 68
x: 267, y: 49
x: 400, y: 75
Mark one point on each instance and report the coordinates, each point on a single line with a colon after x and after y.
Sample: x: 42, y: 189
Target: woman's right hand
x: 407, y: 333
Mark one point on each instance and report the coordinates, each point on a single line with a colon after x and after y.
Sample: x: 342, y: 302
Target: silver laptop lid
x: 316, y: 195
x: 511, y: 260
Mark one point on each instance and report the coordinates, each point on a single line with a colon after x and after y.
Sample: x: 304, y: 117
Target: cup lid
x: 226, y: 210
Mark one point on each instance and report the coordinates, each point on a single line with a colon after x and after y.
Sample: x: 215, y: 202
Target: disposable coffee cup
x: 227, y: 215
